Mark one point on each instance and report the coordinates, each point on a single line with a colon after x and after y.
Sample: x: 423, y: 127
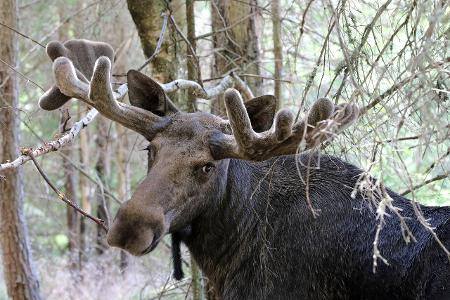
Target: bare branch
x: 61, y: 196
x: 158, y: 45
x: 53, y: 145
x: 21, y: 34
x: 418, y: 186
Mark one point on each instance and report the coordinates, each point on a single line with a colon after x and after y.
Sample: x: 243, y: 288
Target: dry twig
x: 61, y: 196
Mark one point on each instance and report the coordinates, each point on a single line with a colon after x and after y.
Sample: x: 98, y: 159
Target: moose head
x: 188, y: 152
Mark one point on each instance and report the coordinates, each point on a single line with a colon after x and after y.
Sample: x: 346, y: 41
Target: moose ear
x: 147, y: 94
x: 261, y: 111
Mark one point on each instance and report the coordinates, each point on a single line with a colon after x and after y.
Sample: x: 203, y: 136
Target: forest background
x: 389, y: 57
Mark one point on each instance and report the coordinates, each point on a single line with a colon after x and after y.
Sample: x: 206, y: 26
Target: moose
x: 263, y: 214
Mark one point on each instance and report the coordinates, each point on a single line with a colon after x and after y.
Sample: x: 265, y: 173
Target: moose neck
x: 258, y: 233
x: 229, y: 234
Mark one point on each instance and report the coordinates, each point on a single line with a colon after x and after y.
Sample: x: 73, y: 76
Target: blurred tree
x: 21, y: 280
x: 122, y: 163
x: 71, y: 188
x: 83, y: 184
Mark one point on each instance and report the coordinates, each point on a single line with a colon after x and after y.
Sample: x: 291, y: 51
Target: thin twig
x: 418, y: 186
x: 21, y: 74
x: 21, y: 34
x: 61, y: 196
x: 158, y: 45
x: 190, y: 48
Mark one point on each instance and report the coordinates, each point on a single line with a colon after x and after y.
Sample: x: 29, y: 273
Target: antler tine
x: 100, y: 95
x: 342, y: 118
x: 239, y: 120
x: 284, y: 137
x: 67, y: 80
x: 247, y: 140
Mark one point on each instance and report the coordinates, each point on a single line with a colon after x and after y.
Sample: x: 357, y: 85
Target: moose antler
x: 285, y: 136
x: 72, y: 82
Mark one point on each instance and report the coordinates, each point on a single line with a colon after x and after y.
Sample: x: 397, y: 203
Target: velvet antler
x: 284, y: 137
x: 79, y: 76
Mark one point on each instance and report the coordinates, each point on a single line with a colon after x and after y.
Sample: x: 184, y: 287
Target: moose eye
x: 207, y: 168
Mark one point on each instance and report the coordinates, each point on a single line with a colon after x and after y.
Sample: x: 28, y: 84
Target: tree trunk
x: 277, y: 49
x: 21, y: 280
x: 238, y: 46
x: 147, y: 16
x: 197, y: 287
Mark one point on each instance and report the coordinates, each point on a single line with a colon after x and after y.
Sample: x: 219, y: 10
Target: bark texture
x: 21, y: 280
x: 236, y: 24
x: 146, y: 15
x: 237, y: 38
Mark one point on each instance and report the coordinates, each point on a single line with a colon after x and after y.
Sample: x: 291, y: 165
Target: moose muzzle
x: 137, y: 230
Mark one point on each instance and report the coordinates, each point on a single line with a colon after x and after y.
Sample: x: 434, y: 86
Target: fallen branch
x: 61, y: 196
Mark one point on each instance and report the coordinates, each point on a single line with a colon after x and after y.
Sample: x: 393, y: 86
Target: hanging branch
x: 61, y: 196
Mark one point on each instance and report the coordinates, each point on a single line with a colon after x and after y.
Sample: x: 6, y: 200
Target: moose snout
x: 138, y: 233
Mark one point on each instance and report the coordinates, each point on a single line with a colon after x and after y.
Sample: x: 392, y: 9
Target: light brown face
x: 182, y: 178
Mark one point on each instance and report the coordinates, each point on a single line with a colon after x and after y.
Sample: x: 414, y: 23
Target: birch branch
x: 65, y: 139
x: 242, y: 87
x: 210, y: 92
x: 53, y: 145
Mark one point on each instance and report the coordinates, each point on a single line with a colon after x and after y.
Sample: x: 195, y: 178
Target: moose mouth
x: 152, y: 246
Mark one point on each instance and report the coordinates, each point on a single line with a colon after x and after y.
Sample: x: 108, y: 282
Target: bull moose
x: 262, y: 220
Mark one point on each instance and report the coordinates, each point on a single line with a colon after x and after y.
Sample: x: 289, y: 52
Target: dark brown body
x: 257, y: 238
